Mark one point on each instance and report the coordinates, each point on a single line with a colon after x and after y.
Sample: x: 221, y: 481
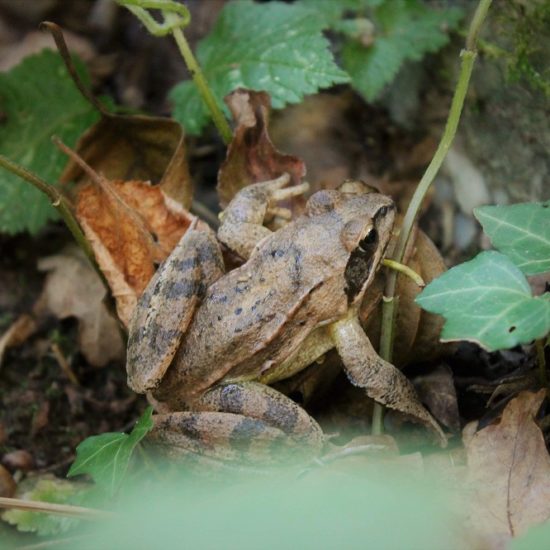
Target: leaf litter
x: 106, y: 209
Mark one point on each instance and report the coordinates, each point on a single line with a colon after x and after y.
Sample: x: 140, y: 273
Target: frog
x: 206, y: 344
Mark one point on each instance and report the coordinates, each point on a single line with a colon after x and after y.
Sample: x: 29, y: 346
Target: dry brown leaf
x: 23, y: 327
x: 132, y: 226
x: 437, y: 391
x: 7, y: 483
x: 73, y: 289
x: 127, y: 147
x: 508, y: 472
x: 135, y: 148
x: 251, y: 156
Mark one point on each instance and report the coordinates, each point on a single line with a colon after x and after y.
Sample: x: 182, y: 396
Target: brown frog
x: 206, y: 343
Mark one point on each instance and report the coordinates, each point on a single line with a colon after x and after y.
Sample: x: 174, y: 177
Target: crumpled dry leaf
x: 508, y: 472
x: 73, y: 289
x: 132, y: 226
x: 251, y: 156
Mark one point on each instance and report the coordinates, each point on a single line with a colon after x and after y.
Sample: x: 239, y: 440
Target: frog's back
x: 258, y: 314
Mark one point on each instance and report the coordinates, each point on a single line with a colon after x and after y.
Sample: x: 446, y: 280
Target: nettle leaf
x: 405, y: 30
x: 275, y: 47
x: 487, y: 300
x: 37, y: 99
x: 106, y: 457
x: 522, y: 231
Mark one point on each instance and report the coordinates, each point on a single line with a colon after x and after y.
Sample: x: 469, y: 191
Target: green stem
x: 405, y: 270
x: 59, y: 202
x: 176, y: 17
x: 200, y: 81
x: 468, y: 57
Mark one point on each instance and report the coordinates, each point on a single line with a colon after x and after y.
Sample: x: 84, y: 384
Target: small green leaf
x: 522, y: 231
x: 106, y: 457
x: 46, y: 488
x: 38, y: 99
x: 405, y: 30
x: 276, y: 47
x: 487, y: 300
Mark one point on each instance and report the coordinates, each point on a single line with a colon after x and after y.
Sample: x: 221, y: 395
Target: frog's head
x: 365, y: 219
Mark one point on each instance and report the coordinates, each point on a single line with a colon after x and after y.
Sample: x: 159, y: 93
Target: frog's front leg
x: 381, y: 380
x: 242, y: 221
x: 241, y: 422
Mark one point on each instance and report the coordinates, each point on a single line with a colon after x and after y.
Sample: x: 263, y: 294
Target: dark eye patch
x: 368, y: 243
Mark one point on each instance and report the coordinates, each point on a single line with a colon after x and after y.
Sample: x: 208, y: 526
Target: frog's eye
x: 369, y: 242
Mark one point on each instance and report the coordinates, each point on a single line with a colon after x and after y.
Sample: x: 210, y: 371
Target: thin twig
x: 58, y: 201
x: 51, y: 508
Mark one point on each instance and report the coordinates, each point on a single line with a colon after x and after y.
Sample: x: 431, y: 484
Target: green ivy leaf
x: 106, y: 457
x: 38, y: 99
x: 275, y: 47
x: 521, y: 231
x: 487, y: 300
x: 405, y: 30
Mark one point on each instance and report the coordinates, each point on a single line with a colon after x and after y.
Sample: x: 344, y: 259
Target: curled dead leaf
x: 251, y: 156
x: 508, y: 472
x: 132, y: 227
x: 135, y: 148
x: 73, y: 289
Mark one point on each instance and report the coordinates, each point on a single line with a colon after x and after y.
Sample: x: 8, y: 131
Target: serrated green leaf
x: 106, y: 457
x: 332, y: 11
x: 275, y: 47
x: 38, y: 99
x: 521, y: 231
x: 487, y: 300
x: 406, y: 30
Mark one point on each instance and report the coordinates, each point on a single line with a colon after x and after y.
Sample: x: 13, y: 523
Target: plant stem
x: 51, y: 508
x: 405, y: 270
x: 58, y: 201
x: 468, y: 57
x: 200, y: 81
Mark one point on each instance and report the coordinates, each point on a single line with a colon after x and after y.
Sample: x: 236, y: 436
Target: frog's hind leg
x: 166, y: 307
x: 247, y: 423
x: 242, y: 221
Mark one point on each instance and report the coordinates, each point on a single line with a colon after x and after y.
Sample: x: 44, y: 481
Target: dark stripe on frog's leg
x: 261, y: 402
x: 217, y: 436
x: 166, y: 307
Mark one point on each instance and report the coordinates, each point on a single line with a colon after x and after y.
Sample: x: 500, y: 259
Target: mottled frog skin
x: 205, y: 343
